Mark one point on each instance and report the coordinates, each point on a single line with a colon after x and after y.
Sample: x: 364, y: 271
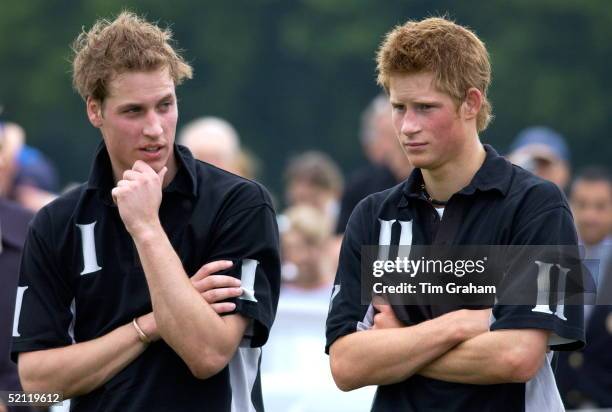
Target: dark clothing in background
x: 13, y: 228
x: 585, y: 377
x: 369, y: 179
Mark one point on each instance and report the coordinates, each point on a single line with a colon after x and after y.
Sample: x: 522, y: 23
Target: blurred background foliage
x: 295, y: 74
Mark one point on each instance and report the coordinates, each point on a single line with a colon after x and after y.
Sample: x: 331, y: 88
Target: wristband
x: 141, y: 335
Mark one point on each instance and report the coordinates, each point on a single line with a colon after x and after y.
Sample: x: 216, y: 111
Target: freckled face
x: 426, y: 121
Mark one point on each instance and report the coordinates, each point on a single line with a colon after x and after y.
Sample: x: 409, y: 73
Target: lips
x: 151, y: 152
x: 414, y: 145
x: 151, y: 149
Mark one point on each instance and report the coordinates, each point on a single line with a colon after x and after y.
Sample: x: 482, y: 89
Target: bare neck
x: 452, y: 176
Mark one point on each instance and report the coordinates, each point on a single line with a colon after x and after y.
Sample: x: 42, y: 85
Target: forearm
x: 502, y: 356
x: 80, y: 368
x: 386, y: 356
x: 184, y: 319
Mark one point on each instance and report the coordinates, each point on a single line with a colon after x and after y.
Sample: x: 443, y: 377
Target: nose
x: 153, y: 127
x: 410, y: 125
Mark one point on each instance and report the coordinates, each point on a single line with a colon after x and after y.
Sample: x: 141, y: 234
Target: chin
x: 419, y: 162
x: 158, y: 165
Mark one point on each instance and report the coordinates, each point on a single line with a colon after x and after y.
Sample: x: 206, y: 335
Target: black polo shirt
x: 502, y: 205
x: 81, y: 278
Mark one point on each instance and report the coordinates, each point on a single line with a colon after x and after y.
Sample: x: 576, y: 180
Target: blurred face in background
x: 12, y: 137
x: 553, y: 170
x: 591, y: 203
x: 541, y: 162
x: 556, y: 172
x: 386, y: 147
x: 303, y: 192
x: 304, y: 254
x: 384, y: 143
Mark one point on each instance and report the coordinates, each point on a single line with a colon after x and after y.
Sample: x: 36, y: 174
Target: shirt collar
x: 101, y: 174
x: 494, y: 174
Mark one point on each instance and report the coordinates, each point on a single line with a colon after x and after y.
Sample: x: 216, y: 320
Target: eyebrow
x: 430, y: 102
x: 126, y: 106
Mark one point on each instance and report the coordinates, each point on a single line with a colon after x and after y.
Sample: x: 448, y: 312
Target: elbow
x: 343, y: 373
x: 522, y: 364
x: 208, y: 365
x: 28, y: 385
x: 26, y: 366
x: 30, y: 380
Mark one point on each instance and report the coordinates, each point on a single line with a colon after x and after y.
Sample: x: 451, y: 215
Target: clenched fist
x: 138, y: 196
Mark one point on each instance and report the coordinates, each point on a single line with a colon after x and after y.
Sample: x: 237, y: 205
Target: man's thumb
x: 162, y: 174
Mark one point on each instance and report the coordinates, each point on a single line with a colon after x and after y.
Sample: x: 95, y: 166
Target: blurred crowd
x: 318, y: 203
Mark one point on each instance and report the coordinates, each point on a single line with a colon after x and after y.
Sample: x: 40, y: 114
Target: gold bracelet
x: 141, y: 335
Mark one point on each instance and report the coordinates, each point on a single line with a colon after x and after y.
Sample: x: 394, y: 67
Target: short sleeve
x: 250, y: 239
x: 552, y: 226
x: 346, y: 311
x: 42, y: 308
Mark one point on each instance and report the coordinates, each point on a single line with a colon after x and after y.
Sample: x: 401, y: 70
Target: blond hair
x: 128, y: 43
x: 455, y: 55
x: 310, y: 223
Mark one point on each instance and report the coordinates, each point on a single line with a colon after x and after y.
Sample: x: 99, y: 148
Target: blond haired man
x: 105, y: 311
x: 433, y: 357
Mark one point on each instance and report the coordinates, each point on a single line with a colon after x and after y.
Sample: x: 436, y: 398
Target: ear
x: 94, y: 111
x: 472, y: 103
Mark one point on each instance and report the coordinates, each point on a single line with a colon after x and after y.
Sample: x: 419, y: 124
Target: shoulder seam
x: 265, y: 204
x: 545, y: 210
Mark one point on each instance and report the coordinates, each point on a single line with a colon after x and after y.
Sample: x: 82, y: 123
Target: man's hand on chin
x: 138, y: 196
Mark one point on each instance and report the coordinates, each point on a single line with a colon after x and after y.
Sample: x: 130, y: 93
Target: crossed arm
x: 184, y: 310
x: 80, y: 368
x: 455, y: 347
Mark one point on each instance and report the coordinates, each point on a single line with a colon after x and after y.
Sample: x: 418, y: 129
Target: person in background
x: 289, y: 380
x: 215, y: 141
x: 303, y: 241
x: 36, y: 182
x: 591, y: 202
x: 30, y: 178
x: 387, y: 164
x: 543, y: 152
x: 13, y: 139
x: 13, y: 228
x: 248, y: 165
x: 313, y: 178
x: 584, y: 378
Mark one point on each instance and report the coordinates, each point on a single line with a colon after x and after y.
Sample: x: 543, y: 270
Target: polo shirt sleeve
x: 42, y: 309
x: 346, y: 313
x: 249, y: 238
x: 549, y: 223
